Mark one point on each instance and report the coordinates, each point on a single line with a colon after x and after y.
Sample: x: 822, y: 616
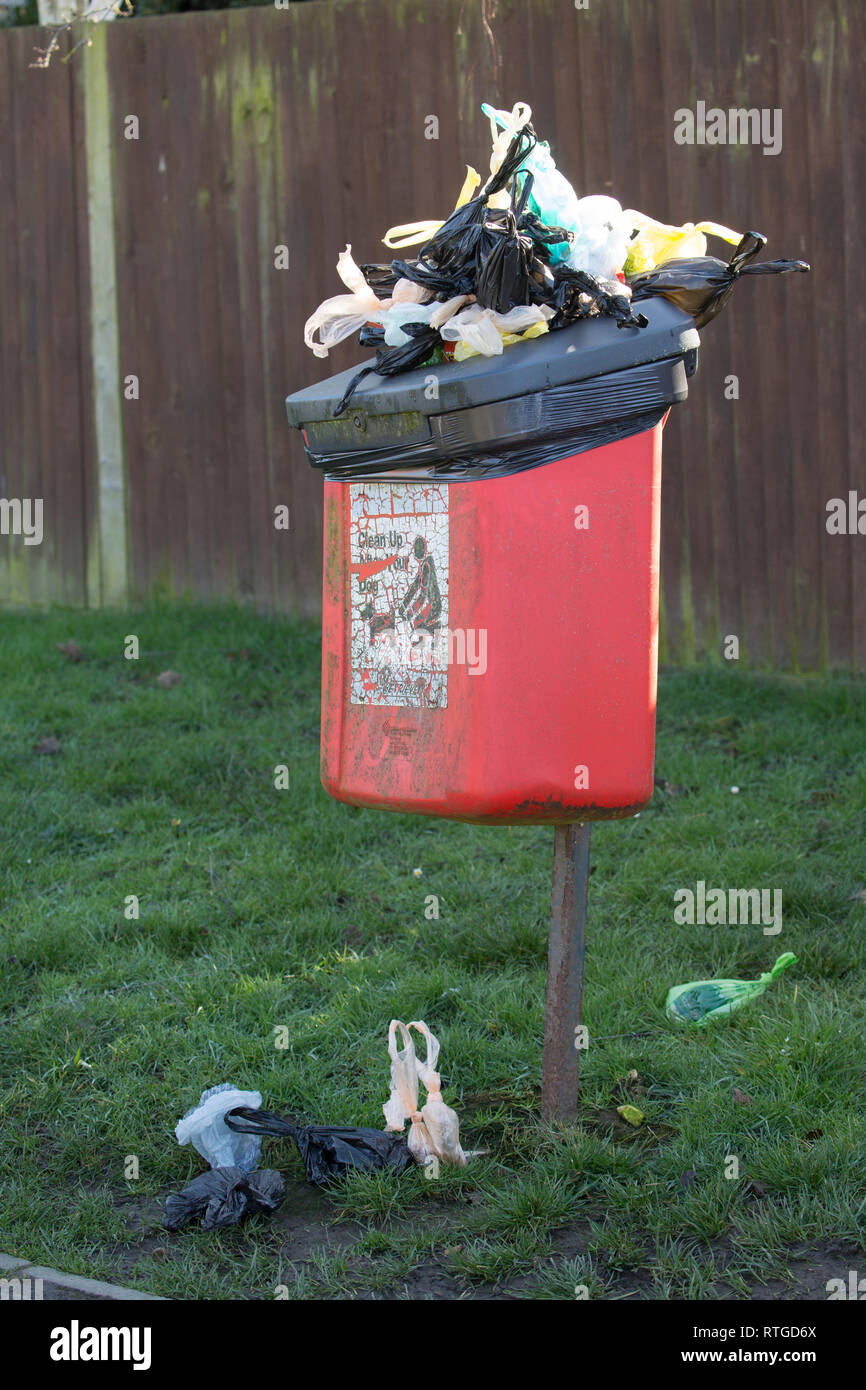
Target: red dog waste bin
x: 491, y: 575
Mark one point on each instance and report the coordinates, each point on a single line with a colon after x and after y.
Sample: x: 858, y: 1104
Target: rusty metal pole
x: 565, y: 971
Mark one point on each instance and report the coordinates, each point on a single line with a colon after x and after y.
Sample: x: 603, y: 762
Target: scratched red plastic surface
x: 490, y: 648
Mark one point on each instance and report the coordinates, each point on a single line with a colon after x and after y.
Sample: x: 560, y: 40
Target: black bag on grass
x: 328, y: 1151
x: 222, y: 1196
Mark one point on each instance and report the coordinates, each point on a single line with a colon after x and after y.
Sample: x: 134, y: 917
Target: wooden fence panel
x: 44, y: 363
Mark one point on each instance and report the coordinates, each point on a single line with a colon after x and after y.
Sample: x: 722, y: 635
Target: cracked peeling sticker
x: 398, y: 574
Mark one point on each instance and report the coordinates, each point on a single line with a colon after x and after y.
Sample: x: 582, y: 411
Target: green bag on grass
x: 702, y: 1000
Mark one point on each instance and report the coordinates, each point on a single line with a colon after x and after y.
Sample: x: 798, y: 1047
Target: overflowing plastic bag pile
x: 522, y: 256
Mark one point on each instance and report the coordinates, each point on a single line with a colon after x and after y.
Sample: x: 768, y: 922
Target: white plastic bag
x: 601, y: 240
x: 504, y: 125
x: 338, y: 318
x: 345, y: 314
x: 435, y: 1129
x: 474, y: 327
x: 402, y: 1104
x: 204, y: 1127
x: 483, y: 329
x: 441, y: 1121
x: 393, y: 318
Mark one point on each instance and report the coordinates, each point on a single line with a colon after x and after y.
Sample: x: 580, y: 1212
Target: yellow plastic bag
x: 656, y: 242
x: 411, y: 233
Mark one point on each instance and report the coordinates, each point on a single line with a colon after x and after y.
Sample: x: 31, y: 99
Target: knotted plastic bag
x: 443, y: 1126
x: 328, y: 1151
x: 505, y: 126
x: 700, y: 1001
x: 204, y: 1127
x: 435, y: 1128
x: 222, y: 1196
x: 451, y: 260
x: 339, y: 317
x: 657, y: 242
x: 600, y: 238
x: 234, y: 1186
x: 702, y: 286
x: 551, y: 196
x: 422, y: 343
x: 484, y: 331
x: 402, y: 1103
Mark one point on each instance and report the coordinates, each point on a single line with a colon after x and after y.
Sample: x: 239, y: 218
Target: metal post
x: 565, y: 971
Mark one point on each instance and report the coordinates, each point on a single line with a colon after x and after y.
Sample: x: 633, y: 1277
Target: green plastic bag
x: 702, y: 1000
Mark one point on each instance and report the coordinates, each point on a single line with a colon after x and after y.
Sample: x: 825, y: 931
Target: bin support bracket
x: 565, y: 972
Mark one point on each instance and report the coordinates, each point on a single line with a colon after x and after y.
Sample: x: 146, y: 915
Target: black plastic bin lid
x: 551, y: 396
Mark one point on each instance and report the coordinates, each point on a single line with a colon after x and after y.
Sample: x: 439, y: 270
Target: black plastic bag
x: 450, y: 261
x: 371, y: 335
x: 701, y: 285
x: 380, y: 278
x: 577, y: 294
x: 222, y: 1196
x: 543, y: 236
x: 328, y: 1151
x: 503, y: 278
x: 443, y: 284
x: 389, y: 361
x: 503, y: 281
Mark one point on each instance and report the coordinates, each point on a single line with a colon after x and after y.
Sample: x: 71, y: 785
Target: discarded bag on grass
x: 327, y: 1151
x: 701, y: 285
x: 434, y: 1133
x: 222, y: 1196
x: 700, y: 1001
x: 234, y: 1187
x: 204, y: 1127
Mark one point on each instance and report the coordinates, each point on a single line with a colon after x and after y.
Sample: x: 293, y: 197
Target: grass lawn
x: 263, y: 909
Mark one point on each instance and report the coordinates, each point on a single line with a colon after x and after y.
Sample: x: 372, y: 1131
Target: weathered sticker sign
x: 399, y: 563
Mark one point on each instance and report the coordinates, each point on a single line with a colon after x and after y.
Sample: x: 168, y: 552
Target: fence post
x: 107, y: 567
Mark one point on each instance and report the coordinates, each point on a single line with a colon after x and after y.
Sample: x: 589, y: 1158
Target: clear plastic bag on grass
x: 443, y: 1126
x: 204, y: 1127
